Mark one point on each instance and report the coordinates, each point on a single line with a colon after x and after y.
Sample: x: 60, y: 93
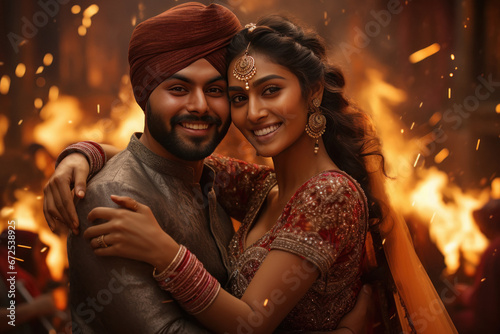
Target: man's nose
x: 198, y: 102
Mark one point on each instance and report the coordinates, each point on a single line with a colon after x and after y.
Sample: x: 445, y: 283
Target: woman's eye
x: 238, y: 99
x: 271, y: 90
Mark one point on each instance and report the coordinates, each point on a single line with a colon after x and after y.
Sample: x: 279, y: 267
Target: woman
x: 297, y: 258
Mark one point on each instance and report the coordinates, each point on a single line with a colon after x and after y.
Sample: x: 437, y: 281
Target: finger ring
x: 136, y: 206
x: 100, y: 241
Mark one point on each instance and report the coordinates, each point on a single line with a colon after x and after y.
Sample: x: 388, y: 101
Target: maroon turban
x: 171, y: 41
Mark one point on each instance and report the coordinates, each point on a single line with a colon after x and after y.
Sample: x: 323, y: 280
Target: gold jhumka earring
x: 244, y: 68
x: 316, y: 125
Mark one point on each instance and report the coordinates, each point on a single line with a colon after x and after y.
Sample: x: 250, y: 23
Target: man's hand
x: 68, y: 183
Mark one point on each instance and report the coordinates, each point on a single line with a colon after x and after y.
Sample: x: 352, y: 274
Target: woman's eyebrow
x: 257, y: 82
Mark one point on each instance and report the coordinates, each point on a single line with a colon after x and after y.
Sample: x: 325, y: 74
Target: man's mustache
x: 192, y: 118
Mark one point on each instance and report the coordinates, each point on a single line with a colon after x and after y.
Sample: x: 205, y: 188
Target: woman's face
x: 272, y: 114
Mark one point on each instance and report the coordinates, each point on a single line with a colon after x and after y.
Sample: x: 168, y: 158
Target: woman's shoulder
x: 332, y: 183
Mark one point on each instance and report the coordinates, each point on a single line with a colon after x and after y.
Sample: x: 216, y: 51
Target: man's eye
x: 177, y: 89
x: 215, y: 90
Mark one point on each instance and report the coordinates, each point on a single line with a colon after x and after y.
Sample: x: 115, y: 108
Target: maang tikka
x: 244, y: 68
x: 316, y: 125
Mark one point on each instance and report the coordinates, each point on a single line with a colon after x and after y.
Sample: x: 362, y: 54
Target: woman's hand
x: 58, y: 205
x: 131, y: 232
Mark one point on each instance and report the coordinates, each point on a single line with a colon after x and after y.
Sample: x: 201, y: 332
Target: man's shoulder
x: 123, y: 168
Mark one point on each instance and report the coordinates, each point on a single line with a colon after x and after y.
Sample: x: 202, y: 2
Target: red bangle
x: 92, y: 151
x: 189, y: 282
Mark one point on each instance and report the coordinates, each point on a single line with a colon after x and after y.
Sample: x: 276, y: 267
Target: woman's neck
x: 297, y: 164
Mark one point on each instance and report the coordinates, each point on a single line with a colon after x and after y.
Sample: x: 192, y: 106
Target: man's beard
x: 190, y: 149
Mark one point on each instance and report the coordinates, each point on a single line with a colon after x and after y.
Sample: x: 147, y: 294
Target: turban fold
x: 171, y: 41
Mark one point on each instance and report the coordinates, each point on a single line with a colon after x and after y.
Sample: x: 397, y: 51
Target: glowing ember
x: 443, y: 154
x: 4, y: 84
x: 38, y: 103
x: 424, y: 53
x: 76, y: 9
x: 265, y: 302
x: 82, y: 31
x: 477, y: 145
x: 416, y: 160
x: 4, y: 126
x: 20, y: 70
x: 91, y: 11
x: 48, y: 59
x: 452, y: 56
x: 53, y: 93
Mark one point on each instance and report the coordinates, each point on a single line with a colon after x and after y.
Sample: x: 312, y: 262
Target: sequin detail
x: 325, y: 222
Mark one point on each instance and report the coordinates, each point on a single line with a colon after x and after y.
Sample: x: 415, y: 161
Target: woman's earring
x: 316, y: 125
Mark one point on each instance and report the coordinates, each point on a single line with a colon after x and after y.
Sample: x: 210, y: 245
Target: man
x: 177, y: 69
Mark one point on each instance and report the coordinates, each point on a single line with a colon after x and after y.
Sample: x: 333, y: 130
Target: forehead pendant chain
x: 244, y: 68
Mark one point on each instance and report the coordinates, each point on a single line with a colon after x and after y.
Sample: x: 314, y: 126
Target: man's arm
x: 115, y: 295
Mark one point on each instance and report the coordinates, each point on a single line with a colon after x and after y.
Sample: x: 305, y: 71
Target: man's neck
x: 158, y: 149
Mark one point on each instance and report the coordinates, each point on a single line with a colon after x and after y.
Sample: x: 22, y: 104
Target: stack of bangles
x: 188, y: 282
x: 94, y: 153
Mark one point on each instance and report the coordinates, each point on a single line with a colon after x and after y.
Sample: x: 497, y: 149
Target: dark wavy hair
x: 349, y: 138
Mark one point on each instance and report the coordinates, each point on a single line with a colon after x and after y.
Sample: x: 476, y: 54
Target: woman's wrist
x: 189, y: 282
x: 92, y: 151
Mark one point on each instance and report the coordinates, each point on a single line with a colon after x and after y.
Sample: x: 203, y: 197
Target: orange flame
x: 421, y: 192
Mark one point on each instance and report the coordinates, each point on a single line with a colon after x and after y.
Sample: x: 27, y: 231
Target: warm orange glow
x: 435, y: 118
x: 82, y: 31
x: 449, y: 93
x: 53, y: 93
x: 91, y: 11
x: 48, y: 59
x: 4, y: 126
x: 86, y: 22
x: 38, y: 103
x: 4, y: 84
x: 265, y: 302
x: 443, y: 154
x: 27, y: 212
x: 425, y: 193
x: 497, y: 109
x: 424, y: 53
x: 76, y: 9
x: 495, y: 188
x: 416, y: 160
x: 477, y: 145
x: 20, y: 70
x: 452, y: 56
x: 452, y: 228
x: 39, y: 70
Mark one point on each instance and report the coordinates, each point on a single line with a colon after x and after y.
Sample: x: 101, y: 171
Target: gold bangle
x: 172, y: 266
